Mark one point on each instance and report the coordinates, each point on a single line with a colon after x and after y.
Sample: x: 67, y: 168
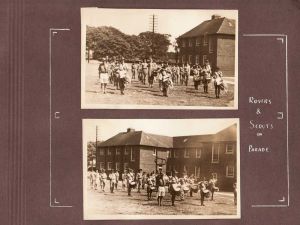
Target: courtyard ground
x: 119, y: 203
x: 139, y: 94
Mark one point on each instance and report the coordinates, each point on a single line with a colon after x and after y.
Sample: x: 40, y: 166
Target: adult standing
x: 166, y: 80
x: 133, y: 70
x: 235, y: 193
x: 161, y: 191
x: 130, y: 179
x: 145, y: 71
x: 187, y: 73
x: 103, y: 74
x: 113, y: 180
x: 173, y: 182
x: 218, y: 81
x: 139, y: 177
x: 212, y: 187
x: 103, y: 177
x: 206, y: 70
x: 122, y: 70
x: 202, y: 192
x: 96, y: 180
x: 117, y: 178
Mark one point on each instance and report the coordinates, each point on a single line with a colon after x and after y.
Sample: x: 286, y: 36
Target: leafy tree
x: 109, y: 41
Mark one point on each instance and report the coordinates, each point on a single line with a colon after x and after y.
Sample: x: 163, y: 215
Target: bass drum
x: 132, y: 184
x: 206, y: 193
x: 194, y: 188
x: 175, y: 188
x: 186, y: 189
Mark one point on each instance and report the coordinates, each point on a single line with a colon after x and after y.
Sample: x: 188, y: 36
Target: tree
x: 109, y: 41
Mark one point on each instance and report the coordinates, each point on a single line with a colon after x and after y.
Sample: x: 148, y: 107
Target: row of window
x: 127, y: 151
x: 215, y: 152
x: 110, y: 166
x: 188, y: 59
x: 197, y: 171
x: 192, y: 42
x: 175, y: 154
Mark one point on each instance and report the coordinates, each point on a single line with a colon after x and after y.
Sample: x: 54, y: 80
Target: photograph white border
x: 151, y: 217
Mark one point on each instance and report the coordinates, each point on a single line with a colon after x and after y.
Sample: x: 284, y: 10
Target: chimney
x: 130, y: 130
x: 215, y: 16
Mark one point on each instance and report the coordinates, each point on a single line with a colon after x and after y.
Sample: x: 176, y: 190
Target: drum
x: 176, y: 188
x: 194, y: 188
x: 132, y: 184
x: 206, y: 193
x: 186, y: 189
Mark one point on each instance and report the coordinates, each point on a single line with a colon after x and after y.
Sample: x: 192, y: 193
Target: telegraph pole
x: 153, y: 23
x: 153, y: 29
x: 95, y: 147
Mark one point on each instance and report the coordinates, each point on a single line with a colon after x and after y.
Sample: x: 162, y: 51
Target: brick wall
x: 147, y: 162
x: 205, y: 164
x: 226, y: 54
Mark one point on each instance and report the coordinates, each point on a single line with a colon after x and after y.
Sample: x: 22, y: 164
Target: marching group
x: 156, y: 182
x: 116, y: 72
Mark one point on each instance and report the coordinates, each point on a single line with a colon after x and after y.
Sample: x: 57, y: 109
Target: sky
x: 169, y: 127
x: 135, y: 21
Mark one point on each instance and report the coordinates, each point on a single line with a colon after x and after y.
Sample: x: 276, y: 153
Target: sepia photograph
x: 159, y: 59
x: 161, y: 169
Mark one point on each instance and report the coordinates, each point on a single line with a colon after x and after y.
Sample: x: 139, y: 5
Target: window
x: 118, y: 151
x: 215, y: 153
x: 183, y: 43
x: 176, y: 154
x: 101, y: 151
x: 197, y: 59
x: 197, y: 171
x: 126, y: 166
x: 198, y: 153
x: 210, y: 45
x: 190, y: 59
x: 154, y: 151
x: 203, y: 59
x: 229, y: 148
x: 109, y: 165
x: 185, y: 169
x: 198, y: 40
x: 190, y: 43
x: 117, y: 166
x: 186, y: 153
x: 108, y: 151
x: 102, y: 166
x: 205, y: 39
x: 215, y: 176
x: 132, y: 155
x: 169, y: 154
x: 126, y: 151
x: 230, y: 171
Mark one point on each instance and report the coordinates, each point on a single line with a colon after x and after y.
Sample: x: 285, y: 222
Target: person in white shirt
x: 218, y: 81
x: 113, y: 180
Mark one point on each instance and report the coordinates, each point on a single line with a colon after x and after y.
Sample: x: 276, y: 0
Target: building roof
x: 132, y: 137
x: 190, y: 141
x: 219, y: 25
x: 138, y: 138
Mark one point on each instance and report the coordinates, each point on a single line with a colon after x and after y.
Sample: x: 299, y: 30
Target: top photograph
x: 159, y: 59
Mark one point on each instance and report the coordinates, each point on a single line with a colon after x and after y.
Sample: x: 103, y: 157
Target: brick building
x: 213, y: 40
x: 201, y: 155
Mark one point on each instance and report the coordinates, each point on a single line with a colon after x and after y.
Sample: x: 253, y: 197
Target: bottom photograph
x: 161, y: 169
